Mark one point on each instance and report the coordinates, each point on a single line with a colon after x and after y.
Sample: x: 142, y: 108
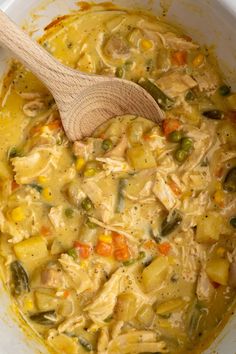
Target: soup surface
x: 123, y: 242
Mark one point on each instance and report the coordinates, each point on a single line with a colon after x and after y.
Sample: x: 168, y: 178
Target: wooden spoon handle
x: 54, y: 75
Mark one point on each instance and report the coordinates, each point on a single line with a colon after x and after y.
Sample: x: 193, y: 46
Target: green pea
x: 175, y: 136
x: 224, y: 90
x: 186, y: 144
x: 69, y: 213
x: 233, y: 222
x: 119, y: 72
x: 107, y: 144
x: 86, y: 204
x: 91, y: 224
x: 72, y: 253
x: 181, y: 155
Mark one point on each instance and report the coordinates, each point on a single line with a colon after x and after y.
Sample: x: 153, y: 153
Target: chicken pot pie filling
x: 123, y: 242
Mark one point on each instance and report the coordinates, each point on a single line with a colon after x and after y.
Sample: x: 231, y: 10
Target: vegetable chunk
x: 33, y: 249
x: 218, y: 271
x: 155, y: 273
x: 141, y: 157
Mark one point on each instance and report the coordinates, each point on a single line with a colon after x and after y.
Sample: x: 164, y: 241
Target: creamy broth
x: 123, y: 242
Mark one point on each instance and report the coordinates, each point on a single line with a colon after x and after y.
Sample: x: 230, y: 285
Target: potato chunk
x: 33, y: 249
x: 170, y: 306
x: 155, y: 273
x: 209, y: 228
x: 125, y: 307
x: 141, y: 157
x: 218, y: 270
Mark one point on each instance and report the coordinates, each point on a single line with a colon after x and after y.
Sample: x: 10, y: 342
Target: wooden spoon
x: 84, y: 101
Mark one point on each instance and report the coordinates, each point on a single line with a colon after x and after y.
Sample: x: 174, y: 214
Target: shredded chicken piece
x: 164, y: 193
x: 119, y: 150
x: 72, y: 323
x: 206, y: 78
x: 56, y: 216
x: 205, y: 289
x: 33, y: 108
x: 175, y: 83
x: 103, y: 341
x: 178, y: 43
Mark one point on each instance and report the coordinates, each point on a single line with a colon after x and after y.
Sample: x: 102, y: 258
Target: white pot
x: 210, y: 22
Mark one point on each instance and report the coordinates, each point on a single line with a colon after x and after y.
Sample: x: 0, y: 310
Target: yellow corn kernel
x: 47, y: 194
x: 18, y: 214
x: 79, y: 164
x: 42, y: 179
x: 105, y: 238
x: 219, y: 198
x: 83, y: 264
x: 146, y: 44
x: 198, y: 60
x: 28, y: 305
x: 90, y: 172
x: 221, y: 251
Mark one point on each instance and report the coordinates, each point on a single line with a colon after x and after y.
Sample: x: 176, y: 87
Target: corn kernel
x: 221, y: 252
x: 198, y: 60
x: 42, y: 179
x: 79, y: 164
x: 28, y: 305
x: 47, y: 194
x: 105, y: 238
x: 146, y: 44
x: 18, y: 214
x: 83, y: 264
x: 90, y: 172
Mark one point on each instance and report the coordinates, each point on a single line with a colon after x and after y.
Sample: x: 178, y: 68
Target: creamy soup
x: 124, y: 242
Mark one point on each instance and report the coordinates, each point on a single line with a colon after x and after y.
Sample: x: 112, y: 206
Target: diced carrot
x: 14, y: 185
x: 122, y: 254
x: 174, y: 188
x: 66, y: 294
x: 54, y: 125
x: 164, y: 248
x: 84, y: 250
x: 179, y: 58
x: 118, y: 240
x: 45, y: 231
x: 170, y: 125
x: 104, y: 249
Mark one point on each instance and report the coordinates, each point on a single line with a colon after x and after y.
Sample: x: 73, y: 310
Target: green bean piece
x: 47, y: 318
x: 69, y: 213
x: 159, y: 96
x: 190, y: 96
x: 224, y: 90
x: 175, y: 136
x: 120, y: 203
x: 233, y: 222
x: 229, y: 183
x: 37, y: 187
x: 181, y: 155
x: 107, y: 144
x: 120, y: 72
x: 186, y: 144
x: 87, y: 204
x: 85, y: 344
x: 215, y: 114
x: 20, y: 279
x: 170, y: 224
x: 194, y: 319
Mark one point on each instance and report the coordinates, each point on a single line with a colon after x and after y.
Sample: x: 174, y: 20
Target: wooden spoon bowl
x: 84, y: 101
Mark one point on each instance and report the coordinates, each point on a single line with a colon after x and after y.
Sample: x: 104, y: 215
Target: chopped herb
x: 87, y: 204
x: 233, y: 222
x: 37, y: 187
x: 85, y: 344
x: 46, y: 318
x: 107, y: 144
x: 120, y: 204
x: 190, y: 96
x: 72, y: 253
x: 13, y: 152
x: 215, y: 114
x: 20, y: 279
x: 224, y: 90
x: 129, y: 262
x: 90, y: 224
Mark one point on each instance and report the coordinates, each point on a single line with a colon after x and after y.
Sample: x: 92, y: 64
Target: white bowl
x: 210, y: 22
